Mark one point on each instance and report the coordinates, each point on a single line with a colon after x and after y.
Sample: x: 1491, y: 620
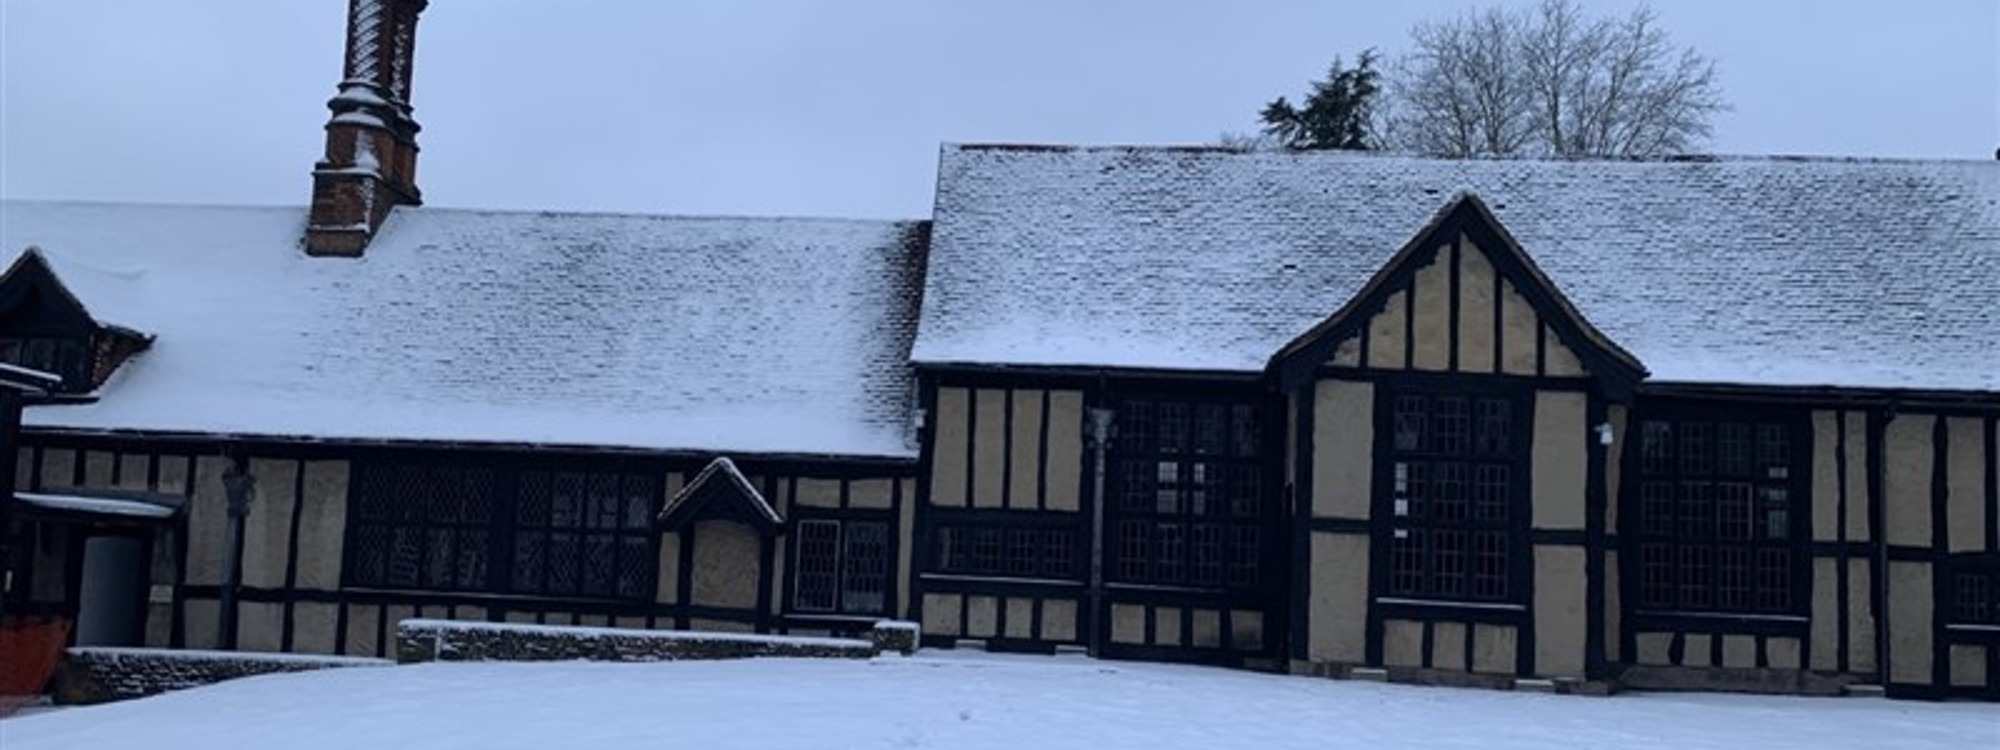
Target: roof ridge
x: 1692, y: 158
x: 458, y: 210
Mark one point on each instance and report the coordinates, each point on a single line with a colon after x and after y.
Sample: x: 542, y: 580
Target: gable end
x: 1416, y: 306
x: 44, y: 326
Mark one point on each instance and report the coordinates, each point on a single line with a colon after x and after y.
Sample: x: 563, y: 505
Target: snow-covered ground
x: 957, y: 701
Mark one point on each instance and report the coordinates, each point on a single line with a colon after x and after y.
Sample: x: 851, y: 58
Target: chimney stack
x: 371, y: 140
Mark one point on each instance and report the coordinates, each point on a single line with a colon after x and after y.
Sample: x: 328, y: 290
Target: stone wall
x: 99, y: 675
x: 448, y: 640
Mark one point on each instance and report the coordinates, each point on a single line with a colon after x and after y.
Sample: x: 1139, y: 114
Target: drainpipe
x: 240, y: 487
x: 1100, y: 443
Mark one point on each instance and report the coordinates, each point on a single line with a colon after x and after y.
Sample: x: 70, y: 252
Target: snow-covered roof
x: 1773, y: 271
x: 703, y: 334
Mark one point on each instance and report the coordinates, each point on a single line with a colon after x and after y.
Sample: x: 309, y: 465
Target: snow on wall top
x: 704, y: 334
x: 1779, y: 271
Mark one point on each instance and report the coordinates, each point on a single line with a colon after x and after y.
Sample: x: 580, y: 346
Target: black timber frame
x: 1101, y: 388
x: 1617, y: 371
x: 350, y: 601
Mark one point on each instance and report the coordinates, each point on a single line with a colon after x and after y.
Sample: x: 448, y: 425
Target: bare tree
x: 1550, y: 81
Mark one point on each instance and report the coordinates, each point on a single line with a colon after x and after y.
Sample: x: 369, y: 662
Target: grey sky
x: 837, y: 108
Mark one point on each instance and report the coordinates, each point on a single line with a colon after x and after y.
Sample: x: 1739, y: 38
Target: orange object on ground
x: 30, y: 648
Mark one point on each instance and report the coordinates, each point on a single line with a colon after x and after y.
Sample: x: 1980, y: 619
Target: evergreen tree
x: 1338, y: 113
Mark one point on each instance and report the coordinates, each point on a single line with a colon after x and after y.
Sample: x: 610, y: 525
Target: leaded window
x: 1186, y: 494
x: 842, y: 566
x: 1015, y: 552
x: 1454, y: 474
x: 1718, y: 523
x: 422, y: 527
x: 584, y: 534
x: 442, y: 527
x: 1975, y: 593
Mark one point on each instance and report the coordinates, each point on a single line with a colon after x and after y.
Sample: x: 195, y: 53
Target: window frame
x: 1659, y: 480
x: 1225, y: 519
x: 841, y: 573
x: 501, y: 530
x: 1964, y: 573
x: 956, y: 549
x: 1403, y: 516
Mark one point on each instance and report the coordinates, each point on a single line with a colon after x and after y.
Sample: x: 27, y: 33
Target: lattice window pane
x: 1167, y: 478
x: 1450, y: 505
x: 1245, y: 550
x: 816, y: 587
x: 1732, y: 442
x: 1450, y: 548
x: 640, y: 491
x: 438, y: 572
x: 1774, y: 579
x: 1697, y: 448
x: 1138, y: 430
x: 865, y: 567
x: 565, y: 572
x: 406, y: 557
x: 531, y: 506
x: 1243, y: 431
x: 1211, y: 429
x: 1657, y: 575
x: 1170, y: 553
x: 1697, y: 510
x: 600, y: 567
x: 1173, y: 427
x: 1023, y: 551
x: 1732, y: 579
x: 1490, y: 493
x: 987, y: 549
x: 1495, y: 428
x: 1134, y: 550
x: 1141, y: 478
x: 1203, y: 478
x: 1776, y: 502
x: 1656, y: 447
x: 1451, y: 426
x: 637, y: 564
x: 1697, y: 565
x: 1489, y: 565
x: 1412, y: 423
x: 1973, y: 603
x: 1205, y: 553
x: 371, y: 555
x: 1772, y: 446
x: 566, y: 500
x: 1407, y: 562
x: 531, y: 549
x: 1733, y: 511
x: 1413, y: 485
x: 954, y: 551
x: 1059, y: 553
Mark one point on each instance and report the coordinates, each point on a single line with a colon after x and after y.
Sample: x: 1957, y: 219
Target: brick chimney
x: 371, y: 140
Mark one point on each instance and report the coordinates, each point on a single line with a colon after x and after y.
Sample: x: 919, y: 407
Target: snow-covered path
x: 957, y: 701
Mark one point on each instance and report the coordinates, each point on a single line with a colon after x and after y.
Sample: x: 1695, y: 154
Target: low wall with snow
x: 98, y: 675
x: 456, y: 640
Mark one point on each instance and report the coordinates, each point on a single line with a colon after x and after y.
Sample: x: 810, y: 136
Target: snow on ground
x: 957, y: 701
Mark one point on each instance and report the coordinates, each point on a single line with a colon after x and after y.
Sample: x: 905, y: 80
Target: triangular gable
x: 32, y: 272
x: 720, y: 493
x: 1466, y: 217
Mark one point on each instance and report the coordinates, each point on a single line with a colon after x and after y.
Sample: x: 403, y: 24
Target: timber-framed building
x: 1680, y: 423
